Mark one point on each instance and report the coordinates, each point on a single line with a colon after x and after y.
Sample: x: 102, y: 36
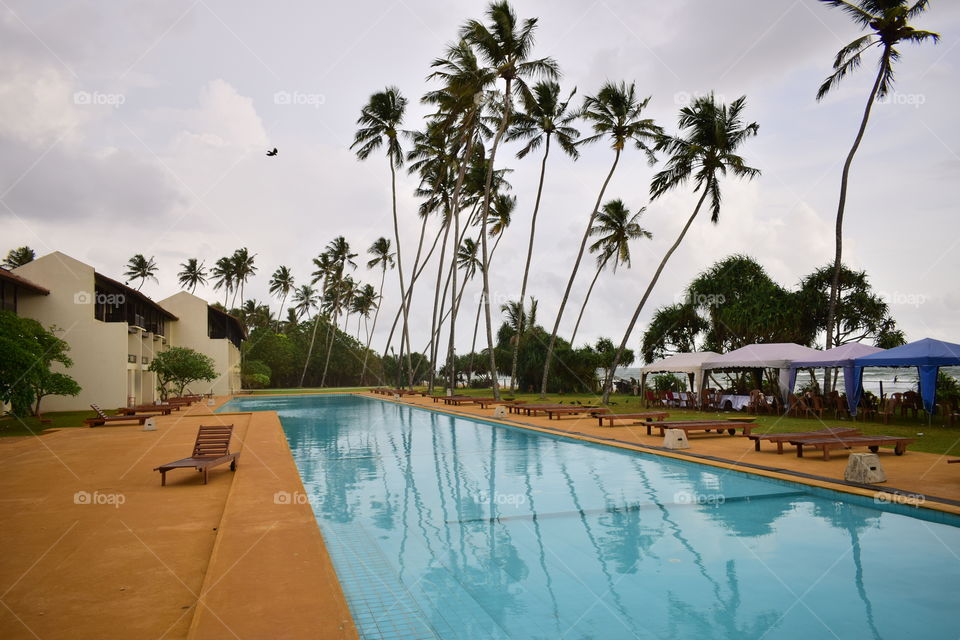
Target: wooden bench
x: 848, y: 442
x: 781, y: 438
x: 647, y: 416
x: 147, y: 409
x: 570, y: 411
x: 701, y: 425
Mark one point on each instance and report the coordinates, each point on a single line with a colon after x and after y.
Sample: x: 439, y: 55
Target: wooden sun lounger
x: 458, y: 400
x: 146, y: 409
x: 781, y: 438
x: 103, y: 418
x: 534, y: 409
x: 574, y: 410
x: 488, y: 402
x: 212, y: 448
x: 848, y: 442
x: 647, y: 416
x: 701, y: 425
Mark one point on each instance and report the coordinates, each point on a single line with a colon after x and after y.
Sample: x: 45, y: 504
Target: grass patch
x: 14, y: 426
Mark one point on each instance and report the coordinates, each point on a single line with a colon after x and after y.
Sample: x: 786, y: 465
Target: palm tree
x: 192, y: 273
x: 243, y: 269
x: 142, y: 269
x: 544, y: 117
x: 324, y: 266
x: 18, y: 257
x: 706, y: 150
x: 222, y: 274
x: 518, y: 319
x: 616, y: 228
x: 364, y: 303
x: 505, y: 45
x: 304, y: 301
x: 380, y: 122
x: 383, y: 257
x: 887, y: 20
x: 281, y: 283
x: 340, y: 287
x: 614, y: 113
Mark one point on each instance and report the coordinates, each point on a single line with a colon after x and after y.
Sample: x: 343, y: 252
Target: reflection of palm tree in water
x: 538, y: 536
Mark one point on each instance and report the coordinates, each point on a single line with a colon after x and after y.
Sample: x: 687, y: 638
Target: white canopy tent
x: 688, y: 363
x: 776, y: 355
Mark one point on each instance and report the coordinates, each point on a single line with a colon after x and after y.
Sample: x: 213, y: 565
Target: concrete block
x: 675, y: 439
x: 864, y: 468
x: 500, y: 411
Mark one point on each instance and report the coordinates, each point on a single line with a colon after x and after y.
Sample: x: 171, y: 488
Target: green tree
x: 545, y: 116
x: 887, y: 21
x: 242, y: 264
x: 192, y: 273
x: 614, y: 114
x: 142, y: 269
x: 712, y: 132
x: 27, y: 353
x: 616, y: 227
x: 222, y: 274
x: 380, y: 122
x: 505, y: 45
x: 18, y: 257
x: 281, y: 284
x: 179, y: 366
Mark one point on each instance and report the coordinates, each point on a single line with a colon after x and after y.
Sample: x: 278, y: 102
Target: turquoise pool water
x: 445, y: 527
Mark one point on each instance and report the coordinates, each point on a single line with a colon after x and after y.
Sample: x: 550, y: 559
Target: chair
x: 776, y: 405
x: 911, y: 402
x: 815, y: 405
x: 212, y: 448
x: 691, y: 401
x: 652, y: 399
x: 758, y: 402
x: 103, y: 418
x: 838, y: 404
x: 797, y: 405
x: 711, y: 400
x: 866, y: 408
x: 888, y: 409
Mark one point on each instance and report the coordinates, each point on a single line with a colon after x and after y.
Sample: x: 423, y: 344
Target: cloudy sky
x: 141, y: 127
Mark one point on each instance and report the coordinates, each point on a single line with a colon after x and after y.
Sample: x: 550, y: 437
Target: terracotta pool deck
x: 243, y: 557
x: 129, y: 558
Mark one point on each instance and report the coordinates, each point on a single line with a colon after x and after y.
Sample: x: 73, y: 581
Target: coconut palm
x: 324, y: 269
x: 222, y: 274
x: 711, y: 133
x: 518, y: 319
x: 615, y: 113
x: 304, y: 301
x: 380, y: 122
x: 887, y: 22
x: 364, y: 303
x: 340, y: 287
x: 18, y: 257
x: 383, y: 257
x: 505, y: 46
x: 281, y: 284
x: 616, y: 227
x: 192, y: 273
x: 142, y: 269
x: 545, y: 116
x: 243, y: 269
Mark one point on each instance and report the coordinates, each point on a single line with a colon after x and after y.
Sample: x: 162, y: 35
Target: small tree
x: 48, y: 383
x: 178, y: 367
x: 27, y: 351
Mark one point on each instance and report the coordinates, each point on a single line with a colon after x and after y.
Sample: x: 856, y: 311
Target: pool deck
x: 918, y: 473
x: 224, y: 560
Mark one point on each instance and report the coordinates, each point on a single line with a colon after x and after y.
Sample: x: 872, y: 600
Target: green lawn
x: 936, y: 438
x: 12, y: 426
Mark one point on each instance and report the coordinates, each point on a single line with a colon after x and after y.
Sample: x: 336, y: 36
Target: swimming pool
x: 446, y: 527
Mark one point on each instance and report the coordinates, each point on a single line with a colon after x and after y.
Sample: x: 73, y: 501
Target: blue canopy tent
x: 927, y: 355
x: 842, y: 357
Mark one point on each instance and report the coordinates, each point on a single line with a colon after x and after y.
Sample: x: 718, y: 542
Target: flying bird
x: 272, y: 152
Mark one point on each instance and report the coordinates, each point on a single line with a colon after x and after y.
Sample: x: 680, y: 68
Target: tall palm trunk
x: 656, y: 276
x: 403, y: 290
x: 526, y: 267
x: 332, y: 331
x: 835, y: 281
x: 587, y: 299
x: 376, y: 314
x: 280, y: 313
x: 434, y: 346
x: 313, y: 339
x: 485, y: 212
x: 573, y: 275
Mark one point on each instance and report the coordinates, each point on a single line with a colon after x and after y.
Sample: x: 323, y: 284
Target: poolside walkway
x: 94, y: 547
x: 915, y: 472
